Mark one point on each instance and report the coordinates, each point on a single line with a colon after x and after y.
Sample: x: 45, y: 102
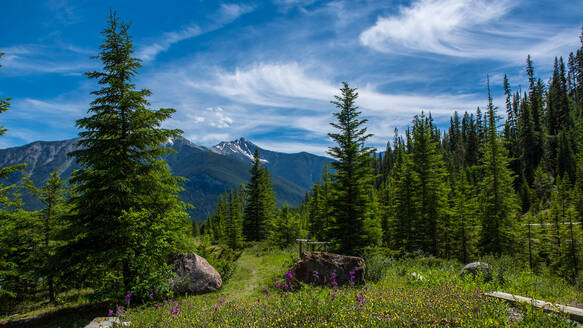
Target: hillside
x: 208, y: 171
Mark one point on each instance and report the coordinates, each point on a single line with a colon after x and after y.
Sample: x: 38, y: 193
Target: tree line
x: 486, y: 184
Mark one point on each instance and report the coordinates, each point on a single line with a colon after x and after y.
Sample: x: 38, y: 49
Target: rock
x: 194, y: 275
x: 475, y: 267
x: 417, y: 276
x: 106, y: 322
x: 322, y: 268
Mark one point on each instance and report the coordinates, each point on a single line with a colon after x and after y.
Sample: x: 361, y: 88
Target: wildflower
x: 334, y: 296
x: 288, y: 274
x: 316, y: 275
x: 216, y: 308
x: 119, y: 310
x: 334, y: 275
x: 174, y: 310
x: 128, y: 297
x: 265, y: 291
x: 222, y: 300
x: 151, y: 294
x: 334, y: 283
x: 110, y: 313
x: 277, y: 284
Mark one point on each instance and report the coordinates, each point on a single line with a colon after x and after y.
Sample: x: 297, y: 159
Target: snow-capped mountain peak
x: 241, y: 148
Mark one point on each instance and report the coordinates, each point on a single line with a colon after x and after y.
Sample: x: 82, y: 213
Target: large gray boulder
x: 476, y: 268
x: 325, y: 268
x: 194, y: 275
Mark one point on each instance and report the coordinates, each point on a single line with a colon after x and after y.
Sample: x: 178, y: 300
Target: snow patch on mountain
x: 238, y: 148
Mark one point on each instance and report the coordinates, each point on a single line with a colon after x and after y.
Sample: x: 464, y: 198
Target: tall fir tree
x: 124, y: 185
x: 53, y: 195
x: 497, y: 198
x: 352, y: 228
x: 260, y: 206
x: 430, y: 188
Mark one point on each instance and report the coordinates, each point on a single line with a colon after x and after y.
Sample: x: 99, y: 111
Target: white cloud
x: 150, y: 51
x: 270, y: 85
x: 470, y: 28
x: 231, y: 11
x: 289, y: 101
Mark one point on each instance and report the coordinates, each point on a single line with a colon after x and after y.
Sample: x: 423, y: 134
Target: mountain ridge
x: 208, y: 170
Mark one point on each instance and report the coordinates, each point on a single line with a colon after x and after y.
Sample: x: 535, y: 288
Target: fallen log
x: 574, y: 313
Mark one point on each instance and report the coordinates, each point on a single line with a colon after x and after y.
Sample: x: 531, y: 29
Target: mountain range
x: 209, y: 170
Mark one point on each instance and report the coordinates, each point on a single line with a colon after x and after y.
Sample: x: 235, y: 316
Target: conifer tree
x: 497, y: 198
x: 53, y: 196
x: 195, y: 228
x: 284, y: 228
x: 260, y: 202
x: 124, y: 185
x: 234, y: 225
x: 430, y: 187
x: 403, y: 218
x: 352, y: 179
x: 6, y: 171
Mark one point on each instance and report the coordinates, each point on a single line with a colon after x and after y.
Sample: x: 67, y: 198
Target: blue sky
x: 267, y: 70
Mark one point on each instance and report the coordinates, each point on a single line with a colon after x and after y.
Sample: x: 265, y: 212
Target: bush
x: 376, y: 267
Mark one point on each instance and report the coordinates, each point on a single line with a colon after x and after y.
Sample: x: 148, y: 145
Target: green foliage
x: 127, y: 211
x: 284, y: 228
x: 354, y: 225
x: 497, y: 198
x: 260, y: 206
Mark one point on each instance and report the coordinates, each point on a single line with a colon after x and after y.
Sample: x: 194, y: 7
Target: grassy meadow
x: 413, y: 292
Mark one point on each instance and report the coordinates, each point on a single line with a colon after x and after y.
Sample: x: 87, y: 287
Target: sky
x: 267, y: 70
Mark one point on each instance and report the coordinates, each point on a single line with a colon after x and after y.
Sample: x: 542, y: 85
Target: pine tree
x: 234, y: 225
x: 53, y: 196
x: 6, y: 171
x: 403, y: 217
x: 430, y: 187
x: 124, y: 185
x: 284, y: 228
x: 260, y: 202
x: 195, y: 228
x: 352, y: 179
x: 463, y: 218
x: 497, y: 198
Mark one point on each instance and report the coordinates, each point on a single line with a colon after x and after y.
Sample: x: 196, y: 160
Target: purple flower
x: 128, y: 296
x: 351, y: 273
x: 174, y: 310
x: 277, y: 284
x: 334, y: 283
x: 360, y: 299
x: 222, y: 300
x: 216, y: 308
x: 119, y: 309
x: 110, y: 313
x: 334, y: 296
x: 151, y: 294
x: 288, y: 274
x: 265, y: 291
x: 180, y: 304
x: 334, y: 275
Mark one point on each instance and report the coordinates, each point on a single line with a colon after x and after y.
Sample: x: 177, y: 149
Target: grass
x: 73, y: 310
x: 412, y: 292
x: 400, y: 298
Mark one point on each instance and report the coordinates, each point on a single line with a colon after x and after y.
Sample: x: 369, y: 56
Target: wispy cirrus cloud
x: 226, y: 14
x: 476, y: 29
x: 291, y: 101
x: 148, y: 52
